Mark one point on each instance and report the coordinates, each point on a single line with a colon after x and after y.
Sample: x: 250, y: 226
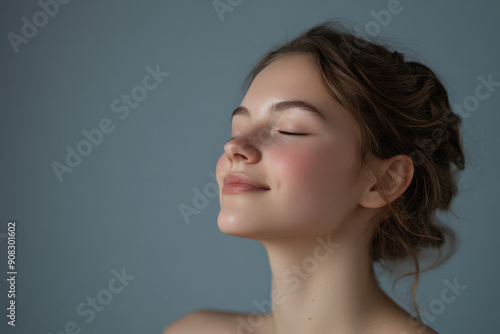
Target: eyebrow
x: 282, y: 106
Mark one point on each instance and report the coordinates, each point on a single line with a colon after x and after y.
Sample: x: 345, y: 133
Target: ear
x: 395, y: 175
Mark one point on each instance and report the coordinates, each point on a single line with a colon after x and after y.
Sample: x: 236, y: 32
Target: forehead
x: 295, y: 77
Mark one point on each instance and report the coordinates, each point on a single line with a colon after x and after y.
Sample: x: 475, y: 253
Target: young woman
x: 341, y: 152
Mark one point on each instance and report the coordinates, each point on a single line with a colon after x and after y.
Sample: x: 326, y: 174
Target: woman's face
x: 311, y: 178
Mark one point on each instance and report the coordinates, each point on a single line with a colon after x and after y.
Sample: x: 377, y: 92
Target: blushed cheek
x: 299, y: 172
x: 310, y: 166
x: 314, y: 179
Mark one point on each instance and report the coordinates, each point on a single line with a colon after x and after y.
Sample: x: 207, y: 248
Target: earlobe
x: 395, y: 175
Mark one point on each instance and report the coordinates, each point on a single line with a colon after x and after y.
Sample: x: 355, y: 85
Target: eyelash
x: 281, y: 132
x: 292, y: 133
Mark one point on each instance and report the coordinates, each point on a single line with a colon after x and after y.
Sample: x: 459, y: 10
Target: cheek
x: 313, y: 181
x: 295, y: 167
x: 313, y: 168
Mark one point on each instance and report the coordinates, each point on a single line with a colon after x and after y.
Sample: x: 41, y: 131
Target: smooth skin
x: 315, y: 192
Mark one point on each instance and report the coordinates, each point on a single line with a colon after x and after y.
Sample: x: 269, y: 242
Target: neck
x: 322, y: 285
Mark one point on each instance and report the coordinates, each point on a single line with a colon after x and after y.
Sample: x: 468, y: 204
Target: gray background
x: 120, y: 207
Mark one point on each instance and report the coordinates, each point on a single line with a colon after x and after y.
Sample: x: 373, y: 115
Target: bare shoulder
x: 395, y: 319
x: 414, y: 329
x: 214, y: 322
x: 407, y: 325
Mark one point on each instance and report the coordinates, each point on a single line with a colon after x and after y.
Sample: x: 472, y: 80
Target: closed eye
x: 291, y: 133
x: 281, y: 132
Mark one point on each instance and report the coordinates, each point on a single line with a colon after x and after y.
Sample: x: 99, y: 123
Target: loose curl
x: 401, y: 108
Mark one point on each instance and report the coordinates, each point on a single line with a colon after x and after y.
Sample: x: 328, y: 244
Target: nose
x: 243, y: 147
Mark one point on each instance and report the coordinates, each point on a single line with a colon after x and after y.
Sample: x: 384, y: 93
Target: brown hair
x: 402, y: 108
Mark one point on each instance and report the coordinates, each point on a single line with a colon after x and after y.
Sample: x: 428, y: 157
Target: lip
x: 241, y: 183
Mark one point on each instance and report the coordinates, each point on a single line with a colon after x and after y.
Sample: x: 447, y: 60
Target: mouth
x: 241, y: 183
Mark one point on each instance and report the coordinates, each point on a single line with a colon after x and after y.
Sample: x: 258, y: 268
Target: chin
x: 241, y: 226
x: 259, y: 228
x: 231, y: 225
